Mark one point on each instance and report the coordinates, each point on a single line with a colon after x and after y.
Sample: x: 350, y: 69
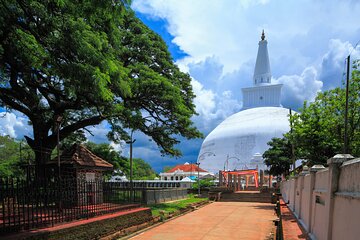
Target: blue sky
x: 216, y: 42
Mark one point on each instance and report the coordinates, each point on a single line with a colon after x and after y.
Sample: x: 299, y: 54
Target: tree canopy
x: 279, y: 156
x: 14, y: 155
x: 71, y: 64
x: 318, y: 130
x: 142, y: 170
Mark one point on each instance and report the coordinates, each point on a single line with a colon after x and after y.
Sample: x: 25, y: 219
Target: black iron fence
x: 36, y: 204
x: 151, y: 184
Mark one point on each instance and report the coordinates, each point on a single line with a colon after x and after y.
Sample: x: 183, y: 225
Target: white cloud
x: 14, y: 124
x: 118, y: 147
x: 333, y: 66
x: 98, y: 132
x: 230, y: 29
x: 204, y: 100
x: 298, y: 88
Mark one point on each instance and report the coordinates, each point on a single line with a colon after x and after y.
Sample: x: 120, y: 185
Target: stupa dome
x: 241, y: 139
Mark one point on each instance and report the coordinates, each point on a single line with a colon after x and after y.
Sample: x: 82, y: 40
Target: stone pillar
x: 313, y: 171
x: 334, y: 173
x: 220, y: 179
x: 229, y: 181
x: 261, y: 183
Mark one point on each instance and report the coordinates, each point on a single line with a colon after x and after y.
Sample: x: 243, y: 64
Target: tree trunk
x: 42, y: 145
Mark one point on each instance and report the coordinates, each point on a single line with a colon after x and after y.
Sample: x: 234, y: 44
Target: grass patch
x: 174, y: 206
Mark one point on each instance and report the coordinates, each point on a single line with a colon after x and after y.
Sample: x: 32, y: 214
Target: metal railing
x: 36, y: 204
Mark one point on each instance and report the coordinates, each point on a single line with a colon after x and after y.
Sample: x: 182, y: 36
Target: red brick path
x: 291, y: 228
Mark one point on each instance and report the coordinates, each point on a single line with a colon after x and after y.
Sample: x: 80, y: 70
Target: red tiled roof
x: 81, y: 156
x: 186, y: 168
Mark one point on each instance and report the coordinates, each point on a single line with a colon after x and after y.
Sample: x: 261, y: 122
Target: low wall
x: 151, y: 196
x: 326, y: 201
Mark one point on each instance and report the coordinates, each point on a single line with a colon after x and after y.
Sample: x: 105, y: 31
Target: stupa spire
x: 263, y: 93
x: 262, y: 73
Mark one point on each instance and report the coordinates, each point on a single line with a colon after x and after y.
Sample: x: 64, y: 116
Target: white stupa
x: 241, y: 139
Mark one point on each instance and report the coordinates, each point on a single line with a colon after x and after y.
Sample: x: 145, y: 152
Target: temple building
x: 187, y: 170
x: 241, y: 139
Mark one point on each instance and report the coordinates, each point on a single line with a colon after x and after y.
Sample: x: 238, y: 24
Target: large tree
x: 83, y: 62
x: 318, y: 130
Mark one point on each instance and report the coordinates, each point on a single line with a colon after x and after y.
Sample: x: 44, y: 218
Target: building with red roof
x: 182, y: 171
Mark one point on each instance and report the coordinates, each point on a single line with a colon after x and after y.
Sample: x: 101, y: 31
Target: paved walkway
x: 218, y: 220
x: 291, y: 229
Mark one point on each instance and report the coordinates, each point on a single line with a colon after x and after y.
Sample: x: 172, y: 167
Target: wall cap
x: 350, y: 195
x: 305, y: 171
x: 339, y: 158
x: 316, y: 168
x: 352, y: 161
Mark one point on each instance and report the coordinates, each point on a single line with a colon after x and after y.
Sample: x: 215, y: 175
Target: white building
x: 241, y: 139
x: 179, y: 172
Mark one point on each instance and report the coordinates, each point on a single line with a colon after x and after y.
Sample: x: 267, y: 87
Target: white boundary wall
x: 327, y: 201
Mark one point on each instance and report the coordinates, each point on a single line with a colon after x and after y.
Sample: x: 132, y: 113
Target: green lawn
x: 174, y: 206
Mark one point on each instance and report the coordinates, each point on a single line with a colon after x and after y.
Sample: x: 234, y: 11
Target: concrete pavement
x: 218, y: 220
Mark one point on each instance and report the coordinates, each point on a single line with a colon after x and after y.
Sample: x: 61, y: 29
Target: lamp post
x: 227, y: 161
x: 198, y: 168
x: 131, y: 142
x: 227, y: 167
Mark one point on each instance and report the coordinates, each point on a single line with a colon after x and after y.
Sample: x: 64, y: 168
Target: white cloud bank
x: 306, y: 46
x: 14, y: 124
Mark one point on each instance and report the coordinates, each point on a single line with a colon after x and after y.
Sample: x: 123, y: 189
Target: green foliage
x: 279, y: 156
x: 77, y: 137
x: 204, y: 183
x: 11, y: 160
x: 142, y: 170
x: 86, y: 62
x: 318, y: 130
x: 108, y: 153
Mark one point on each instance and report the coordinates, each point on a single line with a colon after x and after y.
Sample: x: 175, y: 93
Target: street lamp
x: 131, y: 163
x: 198, y: 166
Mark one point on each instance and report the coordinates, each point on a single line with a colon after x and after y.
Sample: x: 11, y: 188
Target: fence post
x: 334, y: 173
